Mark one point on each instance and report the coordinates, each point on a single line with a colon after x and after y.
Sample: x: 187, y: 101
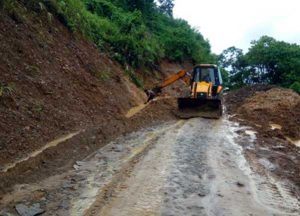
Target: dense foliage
x: 134, y: 32
x: 267, y: 61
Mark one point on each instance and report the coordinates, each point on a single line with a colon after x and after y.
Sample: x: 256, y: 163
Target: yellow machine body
x: 205, y: 83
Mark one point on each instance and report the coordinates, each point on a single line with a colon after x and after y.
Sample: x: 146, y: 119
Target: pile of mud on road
x: 274, y: 113
x: 267, y: 107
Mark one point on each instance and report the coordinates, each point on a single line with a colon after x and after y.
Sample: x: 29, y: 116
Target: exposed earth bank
x: 61, y: 98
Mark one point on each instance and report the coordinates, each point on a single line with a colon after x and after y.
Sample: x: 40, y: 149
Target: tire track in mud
x: 98, y: 175
x: 204, y: 173
x: 142, y: 194
x: 188, y: 167
x: 116, y: 169
x: 245, y: 192
x: 75, y: 191
x: 187, y: 182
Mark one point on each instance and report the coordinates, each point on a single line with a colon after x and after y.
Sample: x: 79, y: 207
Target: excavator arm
x: 173, y: 78
x: 152, y: 93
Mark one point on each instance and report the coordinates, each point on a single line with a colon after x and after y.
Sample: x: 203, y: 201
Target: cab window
x: 204, y: 74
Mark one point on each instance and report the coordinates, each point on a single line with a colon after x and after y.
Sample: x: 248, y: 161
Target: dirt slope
x: 61, y: 83
x: 57, y: 83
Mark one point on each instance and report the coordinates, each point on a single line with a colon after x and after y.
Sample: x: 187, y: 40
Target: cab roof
x: 206, y: 65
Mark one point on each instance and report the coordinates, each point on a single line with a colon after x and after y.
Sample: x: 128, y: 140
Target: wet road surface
x: 197, y: 169
x: 188, y: 167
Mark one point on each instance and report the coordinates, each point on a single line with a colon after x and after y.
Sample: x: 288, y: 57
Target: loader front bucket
x: 199, y: 107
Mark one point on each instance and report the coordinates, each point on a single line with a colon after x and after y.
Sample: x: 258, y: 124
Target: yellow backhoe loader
x: 204, y: 97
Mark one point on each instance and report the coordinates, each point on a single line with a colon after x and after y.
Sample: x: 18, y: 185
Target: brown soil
x: 166, y: 69
x: 234, y: 99
x: 277, y: 106
x: 62, y: 157
x: 55, y: 90
x: 260, y: 105
x: 264, y: 105
x: 61, y: 84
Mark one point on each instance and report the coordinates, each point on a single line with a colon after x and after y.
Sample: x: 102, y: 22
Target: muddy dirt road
x: 185, y: 167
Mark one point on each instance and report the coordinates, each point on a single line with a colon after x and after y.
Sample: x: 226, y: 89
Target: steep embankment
x: 60, y: 98
x: 60, y: 83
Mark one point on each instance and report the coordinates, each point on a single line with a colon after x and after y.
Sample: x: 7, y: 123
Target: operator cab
x: 208, y: 73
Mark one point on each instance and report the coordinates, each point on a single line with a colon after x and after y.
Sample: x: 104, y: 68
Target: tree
x: 145, y: 6
x: 225, y: 77
x: 267, y: 61
x: 275, y: 62
x: 262, y: 59
x: 232, y: 60
x: 166, y: 6
x: 296, y: 87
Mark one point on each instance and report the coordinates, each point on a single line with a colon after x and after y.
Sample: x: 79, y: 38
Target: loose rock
x: 33, y: 210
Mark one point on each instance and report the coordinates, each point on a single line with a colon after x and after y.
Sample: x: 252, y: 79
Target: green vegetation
x: 7, y: 89
x: 130, y: 73
x: 38, y: 107
x: 102, y: 75
x: 267, y: 61
x: 138, y: 33
x: 296, y: 87
x: 32, y: 70
x: 13, y: 9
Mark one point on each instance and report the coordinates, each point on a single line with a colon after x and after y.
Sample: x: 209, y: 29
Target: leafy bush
x: 134, y: 32
x: 14, y: 10
x: 103, y: 74
x: 134, y: 78
x: 296, y: 87
x: 7, y: 89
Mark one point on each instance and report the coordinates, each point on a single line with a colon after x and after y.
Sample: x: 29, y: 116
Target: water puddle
x: 135, y: 110
x: 295, y: 142
x: 270, y: 195
x: 251, y: 134
x: 53, y: 143
x: 267, y: 164
x: 194, y: 167
x: 275, y: 126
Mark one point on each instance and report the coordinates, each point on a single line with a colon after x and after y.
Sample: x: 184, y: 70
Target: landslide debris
x: 54, y: 83
x: 56, y: 88
x: 263, y: 105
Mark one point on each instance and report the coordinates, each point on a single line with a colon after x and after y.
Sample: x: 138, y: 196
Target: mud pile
x: 275, y: 106
x: 264, y: 106
x: 274, y: 113
x: 234, y: 99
